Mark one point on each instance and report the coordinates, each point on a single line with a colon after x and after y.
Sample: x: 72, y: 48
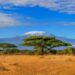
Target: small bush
x: 11, y: 51
x: 26, y: 52
x: 68, y: 51
x: 60, y: 52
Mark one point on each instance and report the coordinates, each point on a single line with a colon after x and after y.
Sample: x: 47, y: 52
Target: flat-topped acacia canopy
x: 44, y: 42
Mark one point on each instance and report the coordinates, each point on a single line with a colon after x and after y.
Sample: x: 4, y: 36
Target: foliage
x: 42, y: 43
x: 11, y: 51
x: 70, y: 50
x: 27, y: 52
x: 60, y: 52
x: 53, y: 51
x: 5, y: 46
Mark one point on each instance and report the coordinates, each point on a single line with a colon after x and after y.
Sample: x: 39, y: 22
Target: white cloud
x: 64, y: 23
x: 7, y: 20
x: 16, y: 20
x: 69, y: 23
x: 35, y: 33
x: 67, y: 6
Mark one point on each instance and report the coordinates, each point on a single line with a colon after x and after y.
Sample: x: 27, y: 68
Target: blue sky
x: 52, y: 16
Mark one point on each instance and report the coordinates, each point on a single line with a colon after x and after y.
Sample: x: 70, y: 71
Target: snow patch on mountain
x: 35, y: 33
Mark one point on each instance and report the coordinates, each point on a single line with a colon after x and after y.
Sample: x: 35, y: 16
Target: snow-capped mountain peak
x: 35, y: 33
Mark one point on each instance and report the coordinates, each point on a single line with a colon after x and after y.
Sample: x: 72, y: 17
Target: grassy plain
x: 37, y: 65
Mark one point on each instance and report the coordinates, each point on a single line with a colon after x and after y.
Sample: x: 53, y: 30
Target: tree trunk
x: 42, y: 50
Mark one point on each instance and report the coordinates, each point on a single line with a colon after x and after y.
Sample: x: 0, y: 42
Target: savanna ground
x: 37, y: 65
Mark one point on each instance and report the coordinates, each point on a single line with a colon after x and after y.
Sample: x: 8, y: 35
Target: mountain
x: 37, y: 33
x: 18, y: 40
x: 72, y: 41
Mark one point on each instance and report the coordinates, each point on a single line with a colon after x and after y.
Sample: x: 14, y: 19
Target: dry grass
x: 37, y: 65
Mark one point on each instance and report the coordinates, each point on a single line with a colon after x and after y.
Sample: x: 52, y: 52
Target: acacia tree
x: 5, y: 46
x: 43, y: 42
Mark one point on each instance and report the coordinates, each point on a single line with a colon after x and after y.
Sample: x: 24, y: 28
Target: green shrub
x: 53, y: 51
x: 26, y: 52
x: 60, y: 52
x: 11, y: 51
x: 70, y: 50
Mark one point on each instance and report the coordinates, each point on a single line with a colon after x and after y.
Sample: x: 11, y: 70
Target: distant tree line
x: 42, y: 45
